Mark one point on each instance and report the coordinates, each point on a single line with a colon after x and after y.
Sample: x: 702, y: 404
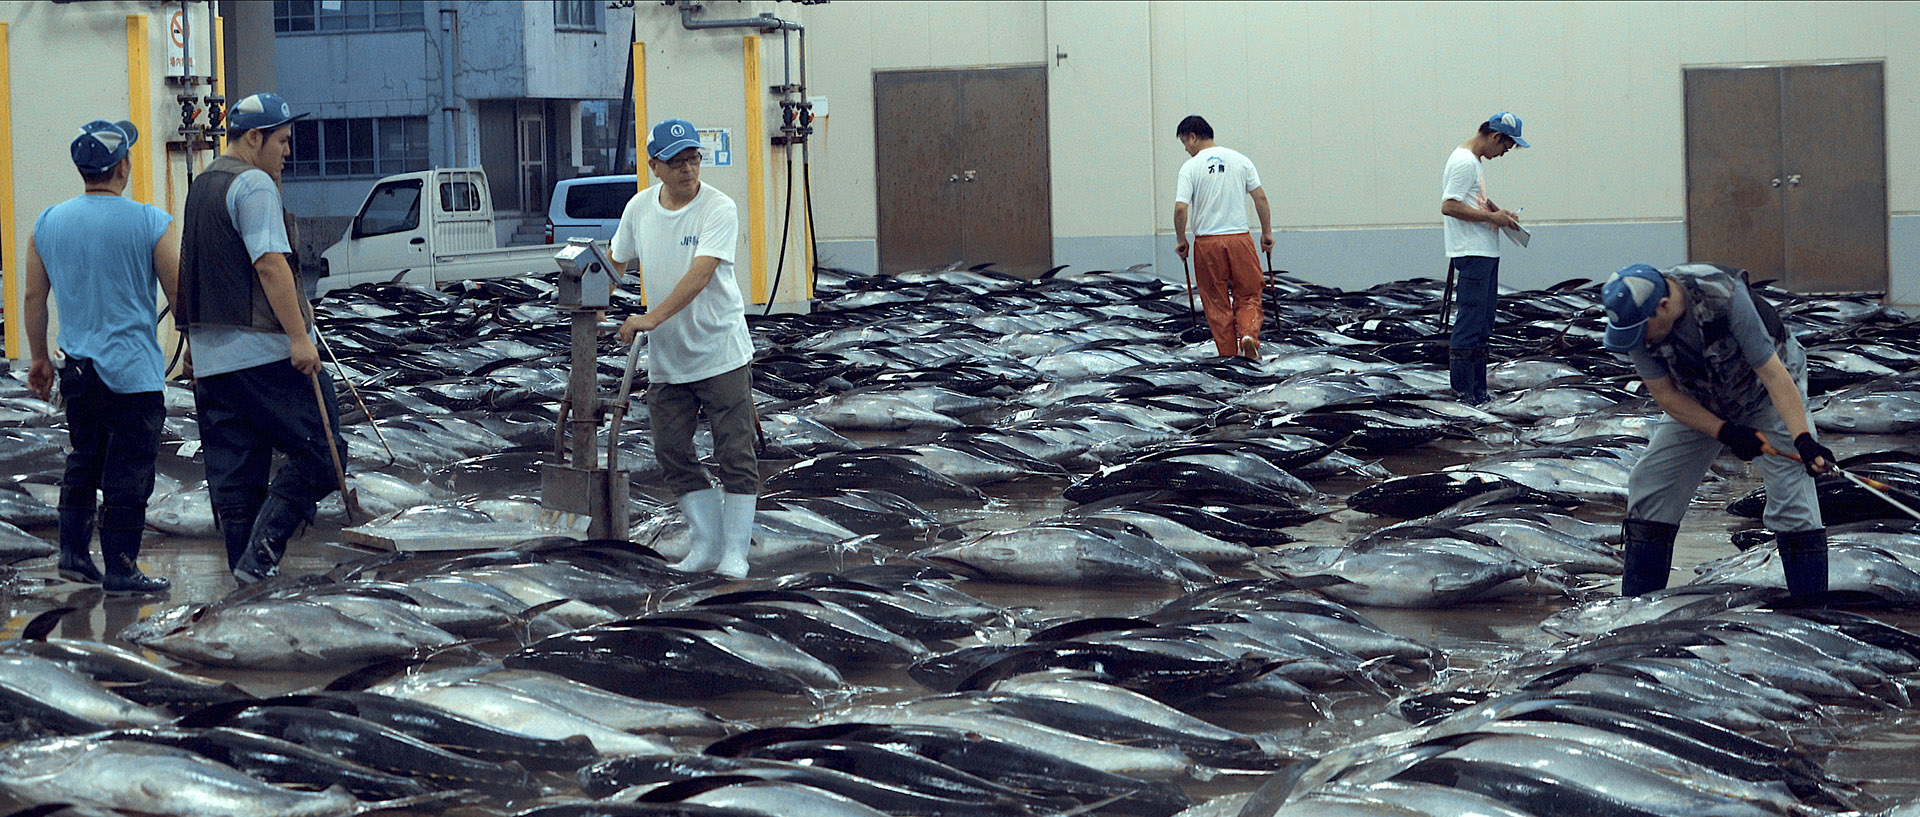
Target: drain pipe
x: 764, y: 22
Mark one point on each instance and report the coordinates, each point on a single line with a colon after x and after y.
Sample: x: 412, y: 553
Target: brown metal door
x: 1787, y: 173
x: 1833, y: 134
x: 1006, y: 190
x: 1733, y: 153
x: 916, y: 147
x: 961, y: 169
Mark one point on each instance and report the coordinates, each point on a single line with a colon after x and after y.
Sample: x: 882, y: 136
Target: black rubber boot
x: 76, y: 537
x: 1649, y: 555
x: 120, y: 530
x: 1467, y: 374
x: 1803, y: 557
x: 236, y: 527
x: 278, y: 521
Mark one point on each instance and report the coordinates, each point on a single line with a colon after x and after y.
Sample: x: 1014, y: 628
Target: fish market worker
x: 683, y: 234
x: 1213, y: 188
x: 1717, y: 359
x: 255, y: 363
x: 1470, y: 226
x: 100, y: 255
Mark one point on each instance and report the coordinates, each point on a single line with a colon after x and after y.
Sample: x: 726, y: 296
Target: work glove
x: 1744, y: 441
x: 1810, y: 450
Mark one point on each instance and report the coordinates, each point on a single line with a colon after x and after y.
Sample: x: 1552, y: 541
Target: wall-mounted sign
x: 717, y: 144
x: 179, y: 28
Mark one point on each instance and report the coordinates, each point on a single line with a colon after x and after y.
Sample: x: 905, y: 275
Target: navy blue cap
x: 262, y: 111
x: 670, y: 137
x: 1508, y: 124
x: 1631, y: 295
x: 102, y: 144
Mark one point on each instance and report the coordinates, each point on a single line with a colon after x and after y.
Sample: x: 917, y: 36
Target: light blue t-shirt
x: 254, y: 204
x: 98, y: 252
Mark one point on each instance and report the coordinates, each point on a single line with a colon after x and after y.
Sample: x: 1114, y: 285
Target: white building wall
x: 69, y: 64
x: 1350, y: 109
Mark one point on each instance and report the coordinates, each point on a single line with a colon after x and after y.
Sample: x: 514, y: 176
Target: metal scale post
x: 577, y: 482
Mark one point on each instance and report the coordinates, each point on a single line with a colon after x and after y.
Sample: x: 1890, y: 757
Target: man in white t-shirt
x: 1213, y: 187
x: 683, y: 233
x: 1471, y: 225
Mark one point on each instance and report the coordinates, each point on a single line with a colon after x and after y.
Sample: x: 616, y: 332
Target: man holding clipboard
x: 1471, y: 225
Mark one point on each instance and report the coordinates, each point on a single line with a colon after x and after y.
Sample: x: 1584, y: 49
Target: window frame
x: 353, y: 17
x: 358, y: 147
x: 595, y: 11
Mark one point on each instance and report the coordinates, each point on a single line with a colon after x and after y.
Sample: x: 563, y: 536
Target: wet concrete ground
x: 1881, y: 749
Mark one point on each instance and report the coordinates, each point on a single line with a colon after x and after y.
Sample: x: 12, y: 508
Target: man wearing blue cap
x: 1717, y: 359
x: 683, y: 234
x: 255, y: 363
x: 100, y: 255
x: 1470, y: 224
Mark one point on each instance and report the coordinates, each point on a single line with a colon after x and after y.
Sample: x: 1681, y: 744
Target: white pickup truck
x: 427, y: 228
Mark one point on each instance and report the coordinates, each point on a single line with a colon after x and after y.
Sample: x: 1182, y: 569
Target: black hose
x: 806, y: 206
x: 786, y: 226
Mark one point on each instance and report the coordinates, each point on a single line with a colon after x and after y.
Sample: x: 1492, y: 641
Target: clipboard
x: 1517, y: 234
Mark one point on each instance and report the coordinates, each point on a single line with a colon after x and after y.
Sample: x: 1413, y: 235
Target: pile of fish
x: 912, y: 424
x: 1690, y: 706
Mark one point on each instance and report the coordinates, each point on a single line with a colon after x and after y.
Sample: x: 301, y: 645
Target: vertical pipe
x: 754, y: 143
x: 13, y: 261
x: 140, y: 101
x: 449, y: 113
x: 220, y: 77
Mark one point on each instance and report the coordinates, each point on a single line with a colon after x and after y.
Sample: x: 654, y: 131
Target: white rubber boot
x: 702, y: 511
x: 736, y: 534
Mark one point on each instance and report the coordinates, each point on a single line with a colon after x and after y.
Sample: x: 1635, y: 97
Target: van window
x: 394, y: 207
x: 599, y: 201
x: 459, y: 197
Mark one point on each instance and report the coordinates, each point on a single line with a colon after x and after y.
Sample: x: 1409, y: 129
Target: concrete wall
x: 68, y: 64
x: 1350, y: 109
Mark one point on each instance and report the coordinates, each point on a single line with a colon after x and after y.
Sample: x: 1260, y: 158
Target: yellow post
x: 754, y: 143
x: 220, y: 75
x: 639, y: 112
x: 140, y: 100
x: 12, y: 259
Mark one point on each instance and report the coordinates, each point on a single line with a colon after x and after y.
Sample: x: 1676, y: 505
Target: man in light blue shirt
x: 99, y: 255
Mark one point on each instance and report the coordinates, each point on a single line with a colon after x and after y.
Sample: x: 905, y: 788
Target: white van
x: 589, y: 207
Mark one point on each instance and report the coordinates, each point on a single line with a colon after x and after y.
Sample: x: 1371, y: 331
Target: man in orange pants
x: 1211, y: 186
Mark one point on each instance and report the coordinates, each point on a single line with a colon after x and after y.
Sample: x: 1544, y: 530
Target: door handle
x: 967, y: 175
x: 417, y: 240
x: 1793, y: 180
x: 1773, y: 182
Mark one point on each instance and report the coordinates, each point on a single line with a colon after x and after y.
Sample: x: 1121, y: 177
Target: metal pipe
x: 764, y: 22
x: 449, y: 112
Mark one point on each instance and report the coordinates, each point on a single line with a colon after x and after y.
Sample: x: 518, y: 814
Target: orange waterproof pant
x: 1227, y: 270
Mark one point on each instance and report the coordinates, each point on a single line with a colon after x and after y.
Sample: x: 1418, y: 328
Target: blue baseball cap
x: 262, y: 111
x: 102, y: 144
x: 1630, y: 296
x: 671, y: 137
x: 1508, y: 124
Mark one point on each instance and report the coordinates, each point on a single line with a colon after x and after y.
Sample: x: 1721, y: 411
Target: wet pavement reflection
x: 1881, y: 749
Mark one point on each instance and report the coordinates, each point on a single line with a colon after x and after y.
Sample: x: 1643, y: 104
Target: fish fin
x: 680, y: 790
x: 42, y: 625
x: 1274, y: 793
x: 431, y: 802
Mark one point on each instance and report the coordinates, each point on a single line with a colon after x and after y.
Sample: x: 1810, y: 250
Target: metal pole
x: 1189, y: 274
x: 1446, y: 299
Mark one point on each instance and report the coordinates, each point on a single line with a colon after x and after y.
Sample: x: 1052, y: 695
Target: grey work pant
x: 727, y: 399
x: 1677, y: 457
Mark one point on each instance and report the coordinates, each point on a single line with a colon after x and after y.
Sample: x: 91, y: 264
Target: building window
x: 577, y: 14
x: 345, y: 15
x: 358, y: 147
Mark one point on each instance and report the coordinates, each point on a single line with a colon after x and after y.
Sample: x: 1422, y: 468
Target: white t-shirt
x: 1465, y: 182
x: 708, y: 337
x: 1214, y: 184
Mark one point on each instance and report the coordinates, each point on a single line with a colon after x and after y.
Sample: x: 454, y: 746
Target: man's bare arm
x: 276, y: 279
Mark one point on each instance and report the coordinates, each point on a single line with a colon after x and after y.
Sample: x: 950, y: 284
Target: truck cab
x: 427, y: 228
